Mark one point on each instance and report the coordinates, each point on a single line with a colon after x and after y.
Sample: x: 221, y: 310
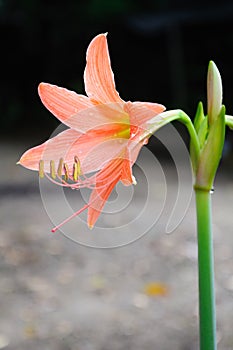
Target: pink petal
x: 98, y: 75
x: 97, y: 152
x: 126, y: 173
x: 140, y: 112
x: 53, y: 149
x: 62, y: 103
x: 106, y: 179
x: 134, y: 147
x: 93, y: 151
x: 100, y: 116
x: 118, y: 169
x: 97, y: 200
x: 156, y: 107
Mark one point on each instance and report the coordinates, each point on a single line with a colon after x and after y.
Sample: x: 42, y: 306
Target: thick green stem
x: 207, y: 316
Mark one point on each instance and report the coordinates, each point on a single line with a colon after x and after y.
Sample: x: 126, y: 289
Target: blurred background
x: 55, y: 294
x: 159, y: 51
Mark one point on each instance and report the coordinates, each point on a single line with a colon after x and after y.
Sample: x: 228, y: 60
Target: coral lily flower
x: 103, y: 138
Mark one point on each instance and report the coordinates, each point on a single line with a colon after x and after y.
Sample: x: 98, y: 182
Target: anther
x: 66, y: 171
x: 77, y: 161
x: 75, y: 172
x: 52, y: 169
x: 41, y: 169
x: 60, y: 167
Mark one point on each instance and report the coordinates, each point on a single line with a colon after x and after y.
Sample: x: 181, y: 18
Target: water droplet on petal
x: 212, y: 190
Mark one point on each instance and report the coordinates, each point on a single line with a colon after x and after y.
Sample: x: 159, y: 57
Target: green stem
x: 184, y: 118
x: 165, y: 118
x: 207, y: 316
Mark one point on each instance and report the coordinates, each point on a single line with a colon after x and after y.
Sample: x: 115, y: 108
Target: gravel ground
x: 59, y: 295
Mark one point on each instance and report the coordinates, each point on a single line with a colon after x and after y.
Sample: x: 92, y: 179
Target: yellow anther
x: 75, y: 172
x: 66, y: 171
x: 60, y: 167
x: 41, y: 169
x: 52, y: 169
x: 77, y: 161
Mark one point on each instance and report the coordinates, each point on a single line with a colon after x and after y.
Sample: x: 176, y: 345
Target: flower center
x: 123, y: 132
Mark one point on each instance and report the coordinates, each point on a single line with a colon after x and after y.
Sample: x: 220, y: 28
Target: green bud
x: 200, y: 126
x: 211, y: 153
x: 199, y: 117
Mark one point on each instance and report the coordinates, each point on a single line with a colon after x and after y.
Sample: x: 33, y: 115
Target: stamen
x: 41, y: 169
x: 76, y: 168
x: 77, y: 161
x: 59, y: 169
x: 52, y: 169
x: 66, y: 171
x: 71, y: 217
x: 75, y: 172
x: 78, y: 212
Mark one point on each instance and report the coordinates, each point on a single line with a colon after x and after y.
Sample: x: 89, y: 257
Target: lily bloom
x: 103, y: 138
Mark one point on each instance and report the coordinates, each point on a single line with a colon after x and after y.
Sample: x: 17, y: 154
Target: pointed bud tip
x: 212, y: 64
x: 214, y: 92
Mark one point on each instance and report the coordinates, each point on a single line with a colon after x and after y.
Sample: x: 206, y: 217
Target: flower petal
x: 155, y: 107
x: 134, y: 147
x: 97, y: 201
x: 100, y: 116
x: 62, y: 103
x: 53, y: 149
x: 118, y: 169
x: 97, y: 152
x: 98, y: 75
x: 92, y: 150
x: 141, y: 112
x: 126, y: 171
x: 106, y: 179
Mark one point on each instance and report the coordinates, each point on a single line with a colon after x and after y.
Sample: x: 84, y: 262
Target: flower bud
x: 211, y: 153
x: 214, y: 92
